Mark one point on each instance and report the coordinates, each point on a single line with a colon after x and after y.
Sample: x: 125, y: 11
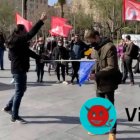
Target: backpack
x: 135, y: 51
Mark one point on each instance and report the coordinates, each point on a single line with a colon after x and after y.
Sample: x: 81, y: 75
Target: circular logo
x: 98, y: 116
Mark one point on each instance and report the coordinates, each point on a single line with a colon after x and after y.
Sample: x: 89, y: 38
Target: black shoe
x: 18, y: 120
x: 7, y: 110
x: 2, y: 69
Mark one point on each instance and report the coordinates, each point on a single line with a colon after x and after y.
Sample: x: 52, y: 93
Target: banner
x: 84, y: 71
x: 131, y: 10
x: 20, y: 20
x: 52, y: 34
x: 59, y: 27
x: 66, y: 30
x: 57, y: 21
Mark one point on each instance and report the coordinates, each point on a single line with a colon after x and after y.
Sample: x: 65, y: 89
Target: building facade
x: 85, y: 6
x: 34, y: 7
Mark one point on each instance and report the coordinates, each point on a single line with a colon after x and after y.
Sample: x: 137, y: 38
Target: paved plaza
x: 52, y: 110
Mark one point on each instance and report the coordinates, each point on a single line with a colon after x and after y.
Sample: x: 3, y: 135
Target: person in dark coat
x: 2, y: 49
x: 19, y: 55
x: 50, y: 47
x: 78, y: 48
x: 65, y: 40
x: 106, y: 69
x: 60, y: 53
x: 41, y: 51
x: 128, y: 60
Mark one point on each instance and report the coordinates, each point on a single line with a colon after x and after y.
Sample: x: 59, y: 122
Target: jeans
x: 75, y: 66
x: 128, y: 69
x: 63, y: 67
x: 110, y: 97
x: 1, y: 57
x: 20, y: 88
x: 121, y: 65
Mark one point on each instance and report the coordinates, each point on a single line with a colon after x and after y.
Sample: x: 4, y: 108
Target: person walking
x: 50, y: 47
x: 68, y: 53
x: 78, y: 48
x: 2, y: 49
x: 128, y: 60
x: 19, y: 54
x: 106, y: 68
x: 60, y: 53
x: 40, y: 50
x: 120, y: 51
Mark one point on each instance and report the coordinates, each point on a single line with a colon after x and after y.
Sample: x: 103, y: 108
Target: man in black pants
x: 19, y: 54
x: 78, y: 48
x: 128, y: 61
x: 60, y: 53
x: 40, y: 50
x: 105, y: 53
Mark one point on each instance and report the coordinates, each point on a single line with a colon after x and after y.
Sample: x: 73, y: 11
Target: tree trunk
x: 24, y: 9
x: 62, y: 10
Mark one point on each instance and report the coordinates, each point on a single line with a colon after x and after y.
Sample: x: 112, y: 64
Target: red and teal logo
x: 98, y: 116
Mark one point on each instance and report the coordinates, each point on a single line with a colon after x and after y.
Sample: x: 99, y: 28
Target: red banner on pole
x: 66, y: 30
x: 20, y: 20
x: 57, y: 21
x: 59, y: 27
x: 131, y: 10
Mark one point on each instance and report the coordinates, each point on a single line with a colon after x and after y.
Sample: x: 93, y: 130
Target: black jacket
x: 60, y: 53
x: 2, y: 41
x: 79, y: 53
x: 19, y: 51
x: 51, y: 45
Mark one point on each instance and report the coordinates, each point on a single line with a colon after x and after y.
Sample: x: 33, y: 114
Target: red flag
x: 63, y: 30
x: 131, y: 10
x: 57, y: 21
x: 20, y: 20
x: 66, y: 30
x: 52, y: 34
x: 59, y: 27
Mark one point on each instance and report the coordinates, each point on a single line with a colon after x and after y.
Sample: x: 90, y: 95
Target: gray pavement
x: 53, y: 110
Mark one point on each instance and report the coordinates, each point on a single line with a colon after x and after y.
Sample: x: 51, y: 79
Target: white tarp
x: 134, y: 37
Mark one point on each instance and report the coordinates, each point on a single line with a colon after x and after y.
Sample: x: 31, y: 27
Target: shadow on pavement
x: 128, y: 83
x: 6, y: 77
x: 59, y: 119
x: 129, y: 132
x: 125, y: 122
x: 35, y: 84
x: 136, y: 77
x: 4, y: 87
x: 128, y: 138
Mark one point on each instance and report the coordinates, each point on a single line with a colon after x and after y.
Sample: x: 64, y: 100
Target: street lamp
x: 24, y: 9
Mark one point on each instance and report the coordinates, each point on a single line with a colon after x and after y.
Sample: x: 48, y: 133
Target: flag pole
x: 81, y: 60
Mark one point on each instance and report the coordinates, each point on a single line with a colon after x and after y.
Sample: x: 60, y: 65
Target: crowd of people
x: 127, y: 52
x: 59, y: 48
x: 106, y: 72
